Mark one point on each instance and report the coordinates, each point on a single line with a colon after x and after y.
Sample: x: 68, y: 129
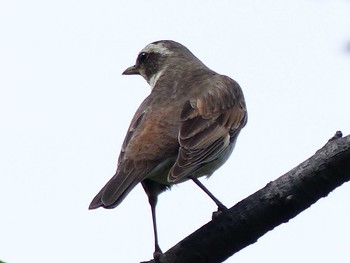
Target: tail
x: 116, y: 189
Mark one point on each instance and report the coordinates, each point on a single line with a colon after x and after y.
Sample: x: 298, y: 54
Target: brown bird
x: 186, y: 128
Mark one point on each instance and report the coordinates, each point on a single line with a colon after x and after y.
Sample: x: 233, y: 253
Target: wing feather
x: 210, y: 124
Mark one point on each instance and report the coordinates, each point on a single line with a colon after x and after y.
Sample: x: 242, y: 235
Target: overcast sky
x: 65, y: 108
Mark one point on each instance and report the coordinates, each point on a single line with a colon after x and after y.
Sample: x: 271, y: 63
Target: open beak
x: 133, y: 70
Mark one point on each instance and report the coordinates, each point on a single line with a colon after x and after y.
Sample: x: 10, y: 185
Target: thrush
x: 186, y: 128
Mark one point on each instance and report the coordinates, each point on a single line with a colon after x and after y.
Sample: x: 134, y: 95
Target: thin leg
x: 152, y: 190
x: 157, y: 250
x: 221, y: 207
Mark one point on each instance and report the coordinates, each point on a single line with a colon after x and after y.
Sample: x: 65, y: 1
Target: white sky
x: 65, y: 108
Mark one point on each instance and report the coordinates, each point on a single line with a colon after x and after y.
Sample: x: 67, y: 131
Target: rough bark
x: 276, y: 203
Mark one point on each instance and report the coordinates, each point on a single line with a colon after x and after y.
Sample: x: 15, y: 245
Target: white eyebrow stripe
x: 157, y: 48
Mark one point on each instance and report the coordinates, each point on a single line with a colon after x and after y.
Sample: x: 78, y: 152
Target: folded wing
x: 210, y: 124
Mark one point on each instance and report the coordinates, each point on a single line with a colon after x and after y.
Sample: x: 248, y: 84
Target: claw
x: 156, y: 254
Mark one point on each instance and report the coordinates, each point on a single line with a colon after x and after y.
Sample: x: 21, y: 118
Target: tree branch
x: 276, y: 203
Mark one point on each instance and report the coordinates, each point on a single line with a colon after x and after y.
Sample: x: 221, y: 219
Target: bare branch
x: 276, y: 203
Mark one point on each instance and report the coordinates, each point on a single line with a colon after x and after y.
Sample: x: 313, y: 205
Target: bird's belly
x: 160, y: 173
x: 209, y: 168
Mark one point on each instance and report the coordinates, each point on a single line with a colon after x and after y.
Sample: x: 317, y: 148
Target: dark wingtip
x: 96, y: 202
x: 93, y: 206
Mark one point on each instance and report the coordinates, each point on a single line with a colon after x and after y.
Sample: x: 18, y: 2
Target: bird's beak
x: 133, y: 70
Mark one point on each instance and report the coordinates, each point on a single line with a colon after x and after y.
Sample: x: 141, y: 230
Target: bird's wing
x: 210, y: 123
x: 144, y: 147
x: 126, y: 176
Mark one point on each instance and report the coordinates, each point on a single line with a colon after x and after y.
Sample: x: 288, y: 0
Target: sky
x: 65, y: 109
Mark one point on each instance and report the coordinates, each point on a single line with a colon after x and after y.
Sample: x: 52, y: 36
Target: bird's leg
x: 152, y: 190
x: 157, y: 251
x: 221, y: 207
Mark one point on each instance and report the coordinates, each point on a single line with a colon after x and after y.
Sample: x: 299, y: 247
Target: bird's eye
x: 143, y: 57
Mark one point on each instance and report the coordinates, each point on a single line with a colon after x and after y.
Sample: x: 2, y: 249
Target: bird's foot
x: 221, y: 209
x: 157, y: 253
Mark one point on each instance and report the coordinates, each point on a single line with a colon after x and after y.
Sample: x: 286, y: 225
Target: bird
x: 185, y: 129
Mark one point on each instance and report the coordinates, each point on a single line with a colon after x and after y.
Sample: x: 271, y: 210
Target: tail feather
x: 114, y: 192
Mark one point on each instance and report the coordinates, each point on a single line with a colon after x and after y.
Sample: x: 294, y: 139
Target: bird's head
x: 157, y: 57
